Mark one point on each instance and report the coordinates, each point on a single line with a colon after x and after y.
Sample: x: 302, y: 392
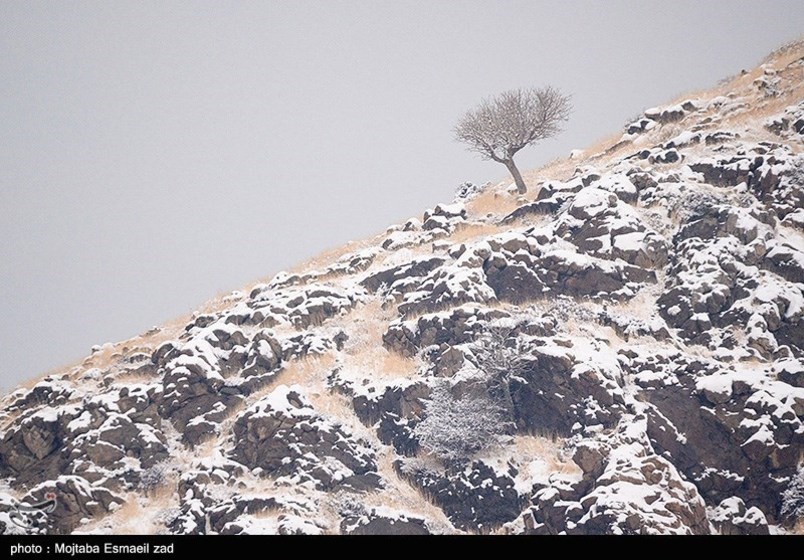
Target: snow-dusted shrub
x: 565, y: 309
x: 499, y: 354
x: 349, y: 505
x: 469, y: 190
x: 460, y: 421
x: 695, y: 205
x: 793, y: 497
x: 153, y: 477
x: 456, y: 427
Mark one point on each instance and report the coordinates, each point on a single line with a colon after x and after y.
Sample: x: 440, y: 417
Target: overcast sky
x: 155, y: 154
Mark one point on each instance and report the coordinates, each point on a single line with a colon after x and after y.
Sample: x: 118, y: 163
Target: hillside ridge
x: 621, y: 350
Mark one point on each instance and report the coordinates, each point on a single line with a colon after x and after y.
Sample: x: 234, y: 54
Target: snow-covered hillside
x: 619, y: 351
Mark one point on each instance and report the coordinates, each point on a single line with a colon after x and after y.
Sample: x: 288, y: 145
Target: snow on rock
x: 76, y: 499
x: 444, y: 217
x: 627, y: 489
x: 457, y: 326
x: 732, y: 517
x: 553, y: 195
x: 551, y: 270
x: 642, y: 311
x: 474, y: 496
x: 453, y: 283
x: 382, y: 521
x: 212, y: 372
x: 770, y: 171
x: 300, y: 306
x: 789, y: 123
x: 561, y: 386
x: 600, y: 224
x: 285, y: 437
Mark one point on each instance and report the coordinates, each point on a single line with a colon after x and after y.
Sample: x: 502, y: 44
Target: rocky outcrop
x: 458, y: 326
x: 724, y: 431
x: 602, y: 225
x: 731, y: 517
x: 622, y: 353
x: 76, y: 499
x: 395, y: 411
x: 283, y: 436
x: 553, y: 392
x: 206, y: 377
x: 474, y: 497
x: 382, y: 521
x: 659, y: 500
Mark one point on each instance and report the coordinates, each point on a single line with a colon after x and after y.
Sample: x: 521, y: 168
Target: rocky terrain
x: 619, y: 351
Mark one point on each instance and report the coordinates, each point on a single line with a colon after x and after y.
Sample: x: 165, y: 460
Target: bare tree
x: 501, y: 126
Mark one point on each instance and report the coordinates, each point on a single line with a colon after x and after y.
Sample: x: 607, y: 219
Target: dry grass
x: 140, y: 515
x: 472, y: 231
x: 763, y: 109
x: 308, y: 372
x: 527, y: 448
x: 30, y: 382
x: 400, y: 495
x: 786, y: 53
x: 605, y: 147
x: 330, y: 256
x: 560, y: 169
x: 778, y: 60
x: 337, y: 407
x: 208, y: 448
x: 111, y: 354
x: 366, y: 325
x: 493, y: 202
x: 364, y: 351
x: 642, y: 304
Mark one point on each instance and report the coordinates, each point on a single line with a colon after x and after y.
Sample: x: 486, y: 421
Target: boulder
x: 474, y: 497
x: 284, y: 436
x: 76, y: 499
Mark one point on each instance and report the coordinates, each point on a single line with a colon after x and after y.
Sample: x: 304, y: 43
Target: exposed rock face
x: 383, y: 522
x: 661, y: 502
x: 283, y: 435
x: 459, y: 326
x: 394, y: 412
x: 474, y: 497
x: 731, y: 517
x: 75, y: 499
x: 635, y: 330
x: 555, y: 392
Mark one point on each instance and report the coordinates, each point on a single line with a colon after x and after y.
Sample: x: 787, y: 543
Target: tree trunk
x: 520, y: 184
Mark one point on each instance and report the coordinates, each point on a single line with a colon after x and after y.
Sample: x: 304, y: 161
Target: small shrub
x: 456, y: 428
x: 793, y: 497
x: 153, y: 477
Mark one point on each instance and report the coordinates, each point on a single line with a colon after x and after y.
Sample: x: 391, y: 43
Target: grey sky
x: 155, y: 154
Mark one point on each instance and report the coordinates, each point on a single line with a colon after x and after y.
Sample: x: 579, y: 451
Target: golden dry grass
x: 473, y: 231
x: 401, y: 495
x: 560, y: 169
x: 308, y: 372
x: 529, y: 448
x: 603, y: 147
x: 491, y: 202
x: 364, y: 351
x: 138, y: 515
x: 338, y: 408
x: 330, y: 256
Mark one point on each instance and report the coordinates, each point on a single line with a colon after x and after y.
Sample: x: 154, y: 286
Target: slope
x: 628, y: 339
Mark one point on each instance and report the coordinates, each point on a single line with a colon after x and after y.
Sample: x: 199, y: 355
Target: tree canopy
x: 501, y: 126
